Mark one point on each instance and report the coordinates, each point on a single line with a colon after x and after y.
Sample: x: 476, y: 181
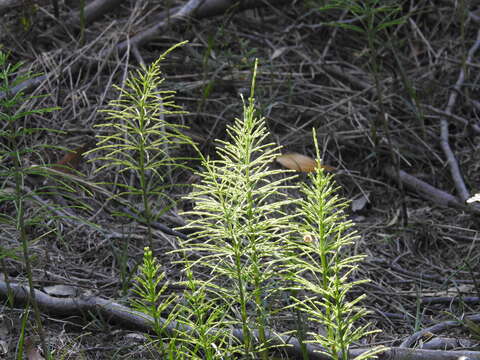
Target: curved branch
x: 93, y: 11
x: 428, y: 191
x: 197, y: 9
x: 120, y: 314
x: 455, y: 171
x: 183, y: 13
x: 411, y: 340
x: 7, y: 4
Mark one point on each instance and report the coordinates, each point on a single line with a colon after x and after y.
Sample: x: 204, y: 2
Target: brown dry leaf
x: 71, y: 160
x: 299, y: 162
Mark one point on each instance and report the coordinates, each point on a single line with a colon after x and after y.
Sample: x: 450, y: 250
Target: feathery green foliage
x: 319, y: 266
x: 141, y: 141
x: 246, y: 244
x: 202, y: 333
x: 15, y: 195
x: 240, y: 223
x: 147, y: 287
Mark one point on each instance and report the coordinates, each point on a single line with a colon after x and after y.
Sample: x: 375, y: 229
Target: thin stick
x: 452, y: 162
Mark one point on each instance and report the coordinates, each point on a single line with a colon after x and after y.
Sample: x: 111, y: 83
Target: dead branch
x: 197, y: 9
x: 183, y: 13
x: 447, y: 343
x: 120, y: 314
x: 457, y: 118
x: 5, y: 4
x: 25, y: 85
x: 452, y: 162
x: 450, y: 300
x: 411, y: 340
x: 93, y: 11
x: 428, y: 191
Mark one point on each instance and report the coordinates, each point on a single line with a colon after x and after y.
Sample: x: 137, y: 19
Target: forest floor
x: 387, y: 101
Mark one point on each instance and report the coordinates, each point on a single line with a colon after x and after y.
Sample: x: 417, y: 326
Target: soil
x: 378, y: 99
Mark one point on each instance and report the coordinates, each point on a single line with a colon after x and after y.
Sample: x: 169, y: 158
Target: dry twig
x: 452, y: 162
x: 93, y: 11
x: 411, y: 340
x: 428, y: 191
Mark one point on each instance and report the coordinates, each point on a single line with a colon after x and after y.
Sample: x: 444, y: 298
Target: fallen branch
x: 450, y: 300
x: 193, y: 9
x: 411, y: 340
x: 93, y: 11
x: 181, y: 14
x: 6, y: 4
x: 428, y: 191
x: 120, y: 314
x: 26, y: 85
x: 452, y: 162
x: 446, y: 343
x: 457, y: 118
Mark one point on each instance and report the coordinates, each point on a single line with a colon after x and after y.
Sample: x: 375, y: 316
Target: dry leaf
x: 299, y: 162
x: 360, y: 202
x: 278, y: 52
x: 72, y: 159
x: 474, y: 198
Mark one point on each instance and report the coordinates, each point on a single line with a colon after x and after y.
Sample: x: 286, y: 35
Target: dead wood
x: 428, y: 191
x: 6, y: 4
x: 411, y: 340
x: 116, y: 313
x: 452, y: 162
x: 26, y: 85
x: 447, y: 343
x: 92, y: 12
x: 193, y: 9
x: 450, y: 300
x: 475, y: 128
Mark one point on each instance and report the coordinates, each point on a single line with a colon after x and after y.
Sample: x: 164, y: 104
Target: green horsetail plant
x: 152, y: 300
x: 202, y: 332
x: 239, y: 223
x: 141, y: 142
x: 16, y: 216
x: 322, y: 271
x: 244, y: 245
x: 192, y: 325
